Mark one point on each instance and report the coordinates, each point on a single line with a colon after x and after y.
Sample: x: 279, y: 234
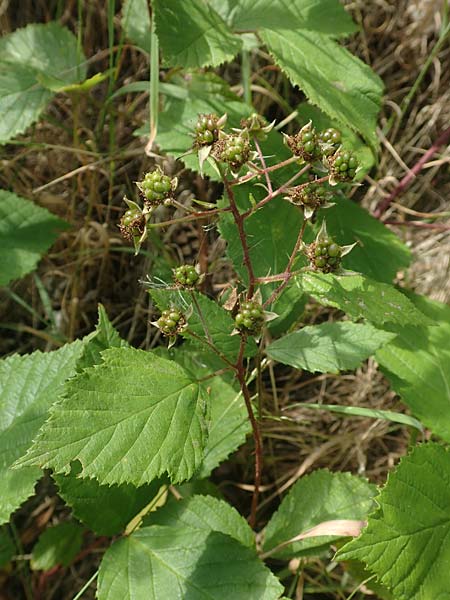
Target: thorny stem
x: 258, y: 172
x: 192, y: 217
x: 240, y: 372
x: 239, y: 220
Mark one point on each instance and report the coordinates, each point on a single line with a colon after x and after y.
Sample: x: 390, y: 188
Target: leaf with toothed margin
x: 362, y: 298
x: 29, y: 385
x: 128, y: 420
x: 406, y: 543
x: 193, y: 35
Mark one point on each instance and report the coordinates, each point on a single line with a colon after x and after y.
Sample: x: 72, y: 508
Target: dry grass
x: 84, y: 175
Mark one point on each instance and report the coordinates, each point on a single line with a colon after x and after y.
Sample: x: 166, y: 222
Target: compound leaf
x: 184, y: 562
x: 380, y: 254
x: 407, y: 539
x: 331, y: 77
x: 417, y: 363
x: 329, y: 347
x: 324, y: 16
x: 314, y: 499
x: 128, y: 420
x: 206, y: 514
x: 30, y: 59
x: 57, y: 545
x: 193, y: 35
x: 26, y: 232
x: 362, y: 298
x: 29, y: 385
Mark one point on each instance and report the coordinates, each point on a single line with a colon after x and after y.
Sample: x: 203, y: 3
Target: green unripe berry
x: 186, y: 276
x: 250, y: 318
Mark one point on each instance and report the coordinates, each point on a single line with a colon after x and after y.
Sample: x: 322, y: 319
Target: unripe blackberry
x: 257, y: 126
x: 343, y: 166
x: 234, y: 150
x: 171, y: 322
x: 330, y: 140
x: 132, y: 224
x: 157, y: 188
x: 250, y: 318
x: 186, y: 276
x: 304, y: 144
x: 207, y: 129
x: 324, y: 255
x: 311, y: 196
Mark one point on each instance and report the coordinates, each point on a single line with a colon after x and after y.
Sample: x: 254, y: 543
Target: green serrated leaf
x: 218, y: 320
x: 331, y: 77
x: 49, y: 50
x: 29, y: 385
x: 407, y: 540
x: 107, y: 510
x: 58, y: 545
x: 228, y: 422
x: 380, y: 254
x: 314, y: 499
x: 183, y: 562
x: 136, y: 23
x: 26, y: 232
x: 417, y: 363
x: 205, y: 513
x: 329, y: 347
x: 324, y: 16
x: 193, y: 35
x: 128, y: 420
x: 362, y: 298
x: 104, y: 337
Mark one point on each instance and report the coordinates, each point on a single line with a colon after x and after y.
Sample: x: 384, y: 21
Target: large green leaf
x: 324, y: 16
x: 362, y: 298
x: 106, y: 509
x: 380, y: 254
x: 57, y: 545
x: 407, y: 540
x: 228, y: 422
x: 128, y: 420
x: 329, y: 347
x: 136, y: 22
x: 417, y: 363
x: 207, y: 514
x: 317, y: 498
x: 192, y: 34
x: 331, y: 77
x: 29, y: 385
x: 26, y: 232
x: 32, y: 59
x: 184, y: 562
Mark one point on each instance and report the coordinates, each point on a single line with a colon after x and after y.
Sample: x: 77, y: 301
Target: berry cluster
x: 132, y: 224
x: 207, y: 129
x: 171, y: 322
x: 234, y: 150
x: 330, y: 140
x: 304, y: 144
x: 324, y: 255
x: 343, y: 165
x: 157, y: 188
x: 310, y: 196
x: 250, y: 318
x: 186, y: 276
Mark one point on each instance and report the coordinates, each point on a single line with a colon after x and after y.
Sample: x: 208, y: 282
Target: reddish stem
x: 408, y: 178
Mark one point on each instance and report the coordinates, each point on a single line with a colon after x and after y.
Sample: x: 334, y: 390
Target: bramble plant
x: 122, y: 430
